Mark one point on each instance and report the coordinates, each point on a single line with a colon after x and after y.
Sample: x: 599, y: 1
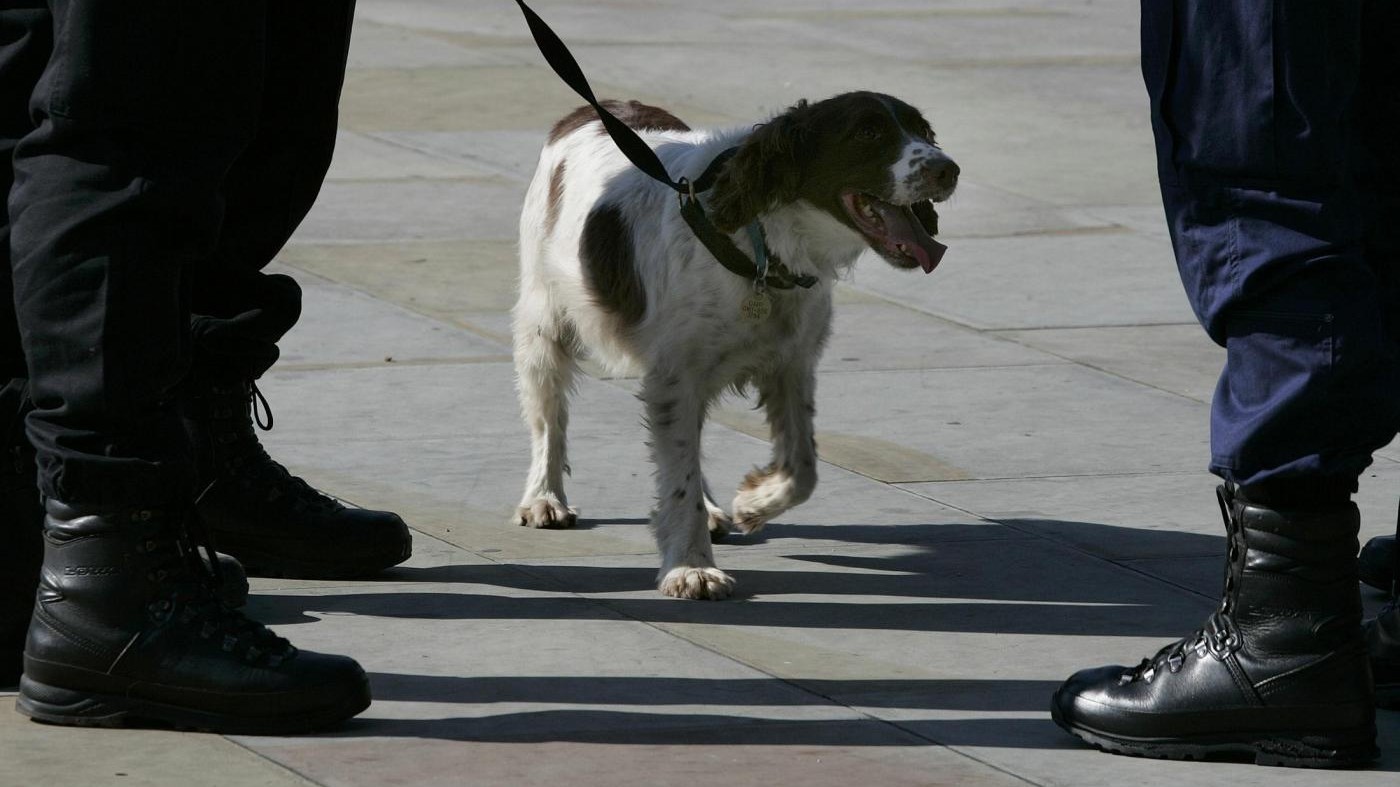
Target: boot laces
x: 188, y: 578
x: 258, y: 470
x: 1219, y: 636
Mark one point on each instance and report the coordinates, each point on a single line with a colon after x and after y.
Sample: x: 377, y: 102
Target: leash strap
x: 645, y: 159
x: 562, y: 61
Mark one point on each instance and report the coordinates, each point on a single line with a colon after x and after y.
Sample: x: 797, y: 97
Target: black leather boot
x: 1377, y: 562
x: 128, y: 630
x: 22, y: 552
x: 272, y: 521
x: 1279, y: 672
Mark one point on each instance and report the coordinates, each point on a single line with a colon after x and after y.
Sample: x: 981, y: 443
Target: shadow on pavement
x: 698, y: 729
x: 976, y: 695
x: 953, y: 583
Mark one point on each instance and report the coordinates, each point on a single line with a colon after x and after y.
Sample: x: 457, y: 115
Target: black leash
x: 768, y: 271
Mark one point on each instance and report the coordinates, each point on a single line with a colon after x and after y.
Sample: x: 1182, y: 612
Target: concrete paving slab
x: 450, y: 280
x: 477, y: 98
x: 145, y: 758
x: 376, y: 45
x: 350, y: 327
x: 400, y: 211
x: 1045, y: 281
x: 1176, y: 358
x: 1017, y: 421
x: 362, y: 157
x: 509, y: 154
x: 1125, y: 517
x: 818, y: 755
x: 977, y: 210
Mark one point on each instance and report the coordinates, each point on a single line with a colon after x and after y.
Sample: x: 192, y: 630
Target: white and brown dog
x: 608, y: 266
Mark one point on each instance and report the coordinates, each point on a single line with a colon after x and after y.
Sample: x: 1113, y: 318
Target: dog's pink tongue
x: 902, y: 226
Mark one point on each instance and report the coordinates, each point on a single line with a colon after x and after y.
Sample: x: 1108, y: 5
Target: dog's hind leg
x: 545, y: 364
x: 787, y: 395
x: 675, y: 412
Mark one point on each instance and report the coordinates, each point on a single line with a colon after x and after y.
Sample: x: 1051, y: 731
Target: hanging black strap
x: 645, y: 159
x: 562, y: 61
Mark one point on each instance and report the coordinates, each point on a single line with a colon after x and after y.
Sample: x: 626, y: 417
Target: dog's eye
x: 867, y: 134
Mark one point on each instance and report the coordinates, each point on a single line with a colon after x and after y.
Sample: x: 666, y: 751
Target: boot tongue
x: 903, y: 227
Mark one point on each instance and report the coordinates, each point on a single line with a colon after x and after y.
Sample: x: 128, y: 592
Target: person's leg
x: 140, y: 111
x: 271, y: 520
x: 1253, y: 114
x: 25, y: 41
x: 1378, y: 171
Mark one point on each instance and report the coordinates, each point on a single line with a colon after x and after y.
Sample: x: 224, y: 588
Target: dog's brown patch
x: 556, y: 198
x: 609, y: 266
x: 637, y: 116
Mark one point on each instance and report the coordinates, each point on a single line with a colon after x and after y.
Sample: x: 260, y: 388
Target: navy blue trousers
x: 157, y: 154
x: 1277, y: 125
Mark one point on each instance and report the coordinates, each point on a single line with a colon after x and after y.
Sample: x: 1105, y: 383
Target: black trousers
x: 157, y: 155
x: 1276, y: 123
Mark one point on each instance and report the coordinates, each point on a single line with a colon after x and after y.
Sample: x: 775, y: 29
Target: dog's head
x: 867, y: 159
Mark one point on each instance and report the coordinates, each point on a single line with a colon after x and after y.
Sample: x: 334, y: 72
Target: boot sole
x: 1336, y: 749
x: 263, y: 564
x: 54, y: 705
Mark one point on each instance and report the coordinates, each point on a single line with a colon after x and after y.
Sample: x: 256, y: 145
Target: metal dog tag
x: 756, y: 307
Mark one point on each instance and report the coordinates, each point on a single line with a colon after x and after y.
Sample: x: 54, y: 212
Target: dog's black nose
x: 942, y: 173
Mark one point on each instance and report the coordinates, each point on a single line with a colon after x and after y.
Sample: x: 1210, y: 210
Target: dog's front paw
x: 697, y: 582
x: 766, y: 493
x: 546, y: 513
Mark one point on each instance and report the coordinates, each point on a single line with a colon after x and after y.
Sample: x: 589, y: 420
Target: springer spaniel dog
x: 608, y: 266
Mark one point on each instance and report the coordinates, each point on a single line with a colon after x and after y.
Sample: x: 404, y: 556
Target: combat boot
x: 1279, y: 672
x: 22, y: 552
x: 272, y: 521
x: 128, y: 629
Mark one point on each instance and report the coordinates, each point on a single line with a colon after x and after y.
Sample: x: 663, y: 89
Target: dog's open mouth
x: 903, y: 234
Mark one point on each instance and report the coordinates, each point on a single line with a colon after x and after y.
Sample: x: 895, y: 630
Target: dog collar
x: 765, y: 266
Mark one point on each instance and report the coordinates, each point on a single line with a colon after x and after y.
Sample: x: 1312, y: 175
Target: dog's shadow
x: 955, y: 577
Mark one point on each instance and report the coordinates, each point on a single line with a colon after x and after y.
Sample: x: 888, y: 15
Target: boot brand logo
x: 91, y: 571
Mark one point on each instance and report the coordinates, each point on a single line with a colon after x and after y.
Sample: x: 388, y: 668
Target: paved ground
x: 1012, y: 484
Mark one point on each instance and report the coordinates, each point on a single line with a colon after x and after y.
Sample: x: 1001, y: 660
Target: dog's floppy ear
x: 763, y: 173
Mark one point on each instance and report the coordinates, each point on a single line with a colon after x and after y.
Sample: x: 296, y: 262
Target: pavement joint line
x: 1115, y: 326
x: 903, y: 13
x: 1118, y: 375
x: 957, y: 368
x: 465, y: 325
x: 1100, y: 229
x: 469, y: 180
x: 274, y: 763
x: 511, y: 174
x: 796, y: 685
x: 1047, y: 61
x: 409, y: 362
x: 792, y: 683
x: 1068, y: 476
